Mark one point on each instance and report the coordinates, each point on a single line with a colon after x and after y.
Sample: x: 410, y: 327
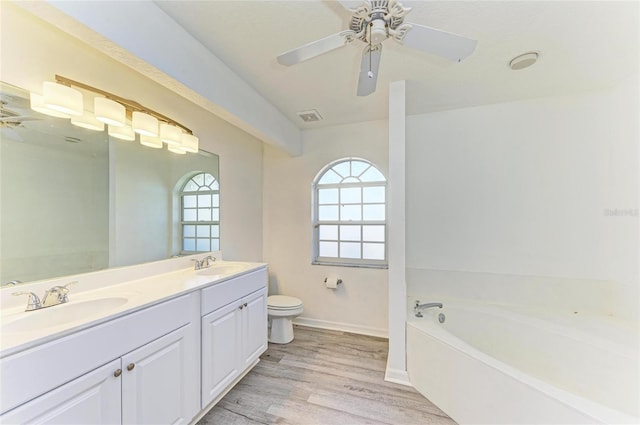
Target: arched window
x: 200, y: 201
x: 349, y: 214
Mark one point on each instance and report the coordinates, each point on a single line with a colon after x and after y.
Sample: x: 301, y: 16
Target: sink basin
x: 221, y: 270
x: 61, y: 314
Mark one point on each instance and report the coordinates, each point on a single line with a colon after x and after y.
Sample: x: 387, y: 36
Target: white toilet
x: 281, y: 310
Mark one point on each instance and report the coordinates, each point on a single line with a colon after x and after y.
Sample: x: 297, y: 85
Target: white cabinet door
x: 158, y: 383
x: 254, y: 323
x: 221, y: 350
x: 93, y: 398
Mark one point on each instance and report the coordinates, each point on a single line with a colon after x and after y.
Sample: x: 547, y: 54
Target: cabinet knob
x: 241, y: 306
x: 245, y: 304
x: 130, y: 366
x: 117, y: 373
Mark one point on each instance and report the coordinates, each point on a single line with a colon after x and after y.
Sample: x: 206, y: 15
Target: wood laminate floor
x: 323, y: 377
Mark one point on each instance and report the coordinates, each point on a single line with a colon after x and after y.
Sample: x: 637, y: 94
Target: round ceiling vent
x: 524, y: 60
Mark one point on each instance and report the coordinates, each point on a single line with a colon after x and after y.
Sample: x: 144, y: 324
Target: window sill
x: 362, y: 266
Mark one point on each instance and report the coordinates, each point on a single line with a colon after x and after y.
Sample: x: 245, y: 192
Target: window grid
x: 200, y: 224
x: 349, y: 224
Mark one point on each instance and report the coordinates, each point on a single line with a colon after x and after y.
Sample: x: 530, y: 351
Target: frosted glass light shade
x: 37, y: 104
x: 122, y: 133
x: 144, y: 124
x: 152, y: 142
x: 190, y: 143
x: 170, y: 134
x: 109, y: 112
x: 88, y: 121
x: 176, y: 149
x: 62, y: 98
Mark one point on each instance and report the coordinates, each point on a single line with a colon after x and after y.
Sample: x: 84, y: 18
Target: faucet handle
x: 63, y: 291
x: 198, y: 264
x: 75, y: 282
x: 33, y: 303
x: 206, y: 259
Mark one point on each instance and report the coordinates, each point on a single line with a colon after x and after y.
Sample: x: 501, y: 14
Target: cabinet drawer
x: 35, y: 371
x: 231, y: 290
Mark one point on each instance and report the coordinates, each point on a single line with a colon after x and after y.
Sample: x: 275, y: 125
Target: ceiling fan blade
x: 369, y: 70
x: 436, y: 42
x: 18, y: 118
x: 316, y: 48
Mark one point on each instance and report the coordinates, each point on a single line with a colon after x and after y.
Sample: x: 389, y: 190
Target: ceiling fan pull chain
x: 370, y: 73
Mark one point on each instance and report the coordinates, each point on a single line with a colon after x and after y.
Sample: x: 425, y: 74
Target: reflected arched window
x: 349, y: 214
x: 200, y: 214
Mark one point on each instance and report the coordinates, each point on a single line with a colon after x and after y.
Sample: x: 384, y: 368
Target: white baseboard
x: 338, y: 326
x: 397, y: 376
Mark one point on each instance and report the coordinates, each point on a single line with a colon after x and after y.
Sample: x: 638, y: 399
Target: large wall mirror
x: 75, y: 200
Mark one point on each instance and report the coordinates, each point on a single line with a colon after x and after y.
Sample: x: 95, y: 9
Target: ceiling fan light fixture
x: 378, y: 32
x: 524, y: 60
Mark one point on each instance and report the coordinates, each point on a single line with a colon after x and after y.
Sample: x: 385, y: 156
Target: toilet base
x: 281, y: 330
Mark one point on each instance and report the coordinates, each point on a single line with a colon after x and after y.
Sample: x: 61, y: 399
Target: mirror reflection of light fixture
x: 176, y: 149
x: 61, y: 100
x: 88, y: 121
x: 123, y: 133
x: 110, y: 112
x: 170, y: 134
x: 144, y: 123
x: 190, y: 143
x: 152, y: 142
x: 37, y: 104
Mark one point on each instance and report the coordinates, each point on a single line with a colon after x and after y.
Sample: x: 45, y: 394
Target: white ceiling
x: 583, y: 45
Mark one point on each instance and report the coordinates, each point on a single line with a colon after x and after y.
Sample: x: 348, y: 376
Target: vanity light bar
x: 115, y: 111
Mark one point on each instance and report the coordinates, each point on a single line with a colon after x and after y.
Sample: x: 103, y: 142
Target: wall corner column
x: 396, y: 361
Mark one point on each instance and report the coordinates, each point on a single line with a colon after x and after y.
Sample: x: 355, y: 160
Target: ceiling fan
x: 372, y: 23
x: 10, y: 119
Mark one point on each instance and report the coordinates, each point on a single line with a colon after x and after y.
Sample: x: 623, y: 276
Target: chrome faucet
x: 33, y: 303
x: 204, y: 263
x: 417, y: 307
x: 54, y: 296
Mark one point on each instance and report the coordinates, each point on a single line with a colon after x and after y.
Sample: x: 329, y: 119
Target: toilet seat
x: 283, y: 302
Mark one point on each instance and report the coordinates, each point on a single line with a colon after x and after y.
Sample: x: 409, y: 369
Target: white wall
x: 34, y: 51
x: 360, y: 303
x: 524, y: 189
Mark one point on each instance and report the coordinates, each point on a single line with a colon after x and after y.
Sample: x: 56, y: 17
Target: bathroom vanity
x: 161, y: 345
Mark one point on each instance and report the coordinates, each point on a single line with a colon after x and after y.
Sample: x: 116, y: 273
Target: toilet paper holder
x: 338, y: 282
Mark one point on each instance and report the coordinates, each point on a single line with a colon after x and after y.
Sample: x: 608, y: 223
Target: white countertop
x: 131, y: 295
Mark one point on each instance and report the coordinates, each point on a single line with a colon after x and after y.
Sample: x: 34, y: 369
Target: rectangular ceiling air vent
x: 309, y: 116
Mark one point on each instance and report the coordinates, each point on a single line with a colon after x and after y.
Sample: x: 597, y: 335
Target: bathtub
x: 492, y: 365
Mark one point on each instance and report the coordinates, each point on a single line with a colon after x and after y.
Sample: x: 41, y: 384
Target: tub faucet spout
x: 417, y: 307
